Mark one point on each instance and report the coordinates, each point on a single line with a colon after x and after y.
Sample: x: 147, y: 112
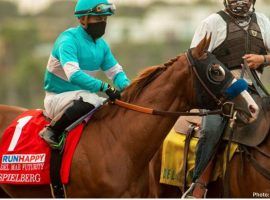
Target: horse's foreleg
x: 3, y: 194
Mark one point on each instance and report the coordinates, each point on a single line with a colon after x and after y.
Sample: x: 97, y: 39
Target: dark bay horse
x: 247, y: 179
x: 113, y: 155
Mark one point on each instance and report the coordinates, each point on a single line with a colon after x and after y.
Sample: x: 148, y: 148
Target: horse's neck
x: 265, y: 145
x: 141, y: 134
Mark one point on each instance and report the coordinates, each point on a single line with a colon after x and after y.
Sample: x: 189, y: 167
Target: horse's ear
x: 208, y: 41
x: 199, y: 50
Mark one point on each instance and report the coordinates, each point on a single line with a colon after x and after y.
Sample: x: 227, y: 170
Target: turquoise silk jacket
x: 75, y: 60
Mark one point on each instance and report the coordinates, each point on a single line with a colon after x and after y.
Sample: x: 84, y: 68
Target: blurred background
x: 142, y: 33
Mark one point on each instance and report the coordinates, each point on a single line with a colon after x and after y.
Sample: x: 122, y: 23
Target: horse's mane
x: 137, y: 86
x: 145, y: 77
x: 139, y: 83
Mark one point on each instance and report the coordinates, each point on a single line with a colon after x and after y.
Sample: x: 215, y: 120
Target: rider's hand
x: 254, y: 60
x: 113, y: 93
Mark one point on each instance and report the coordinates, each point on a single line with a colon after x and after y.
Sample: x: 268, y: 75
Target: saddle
x: 185, y: 123
x: 250, y: 135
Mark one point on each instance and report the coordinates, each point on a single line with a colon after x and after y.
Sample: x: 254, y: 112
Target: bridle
x: 192, y: 64
x: 226, y: 109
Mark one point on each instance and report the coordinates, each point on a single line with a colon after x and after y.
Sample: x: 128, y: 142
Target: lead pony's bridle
x: 193, y: 65
x: 226, y: 107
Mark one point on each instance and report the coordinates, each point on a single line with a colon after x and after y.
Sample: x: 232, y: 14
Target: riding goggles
x: 101, y: 9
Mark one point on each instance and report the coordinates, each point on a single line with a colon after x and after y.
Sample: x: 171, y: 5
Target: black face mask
x: 96, y: 30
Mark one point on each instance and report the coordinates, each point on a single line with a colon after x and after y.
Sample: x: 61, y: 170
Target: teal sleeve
x: 121, y: 81
x: 87, y: 82
x: 66, y: 50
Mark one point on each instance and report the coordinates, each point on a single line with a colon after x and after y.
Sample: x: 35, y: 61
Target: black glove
x: 113, y: 93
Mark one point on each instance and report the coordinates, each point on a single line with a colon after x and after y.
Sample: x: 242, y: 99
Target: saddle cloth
x: 25, y: 157
x: 172, y: 172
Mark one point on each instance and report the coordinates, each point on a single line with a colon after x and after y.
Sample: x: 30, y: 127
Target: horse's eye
x: 216, y: 73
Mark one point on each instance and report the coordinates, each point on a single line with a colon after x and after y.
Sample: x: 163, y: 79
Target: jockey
x: 238, y: 33
x: 78, y: 54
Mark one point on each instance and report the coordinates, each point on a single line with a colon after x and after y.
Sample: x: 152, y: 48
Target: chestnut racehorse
x: 113, y: 154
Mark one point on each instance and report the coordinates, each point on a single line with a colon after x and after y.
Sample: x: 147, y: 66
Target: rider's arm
x: 67, y: 53
x: 214, y: 25
x: 121, y: 80
x: 264, y: 23
x: 267, y: 60
x: 113, y: 69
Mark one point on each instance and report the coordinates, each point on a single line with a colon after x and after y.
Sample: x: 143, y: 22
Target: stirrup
x: 61, y: 143
x: 48, y: 135
x: 52, y: 143
x: 188, y: 194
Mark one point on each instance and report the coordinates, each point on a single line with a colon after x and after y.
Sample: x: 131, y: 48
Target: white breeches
x: 57, y: 103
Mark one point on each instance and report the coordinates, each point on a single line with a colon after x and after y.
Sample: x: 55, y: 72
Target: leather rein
x: 224, y: 111
x: 251, y: 158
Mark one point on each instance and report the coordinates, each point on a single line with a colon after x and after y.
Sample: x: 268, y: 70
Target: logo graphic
x: 23, y: 158
x: 254, y: 33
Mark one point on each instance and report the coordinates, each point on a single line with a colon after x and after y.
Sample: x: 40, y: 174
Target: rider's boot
x: 200, y: 189
x: 52, y: 133
x: 213, y: 126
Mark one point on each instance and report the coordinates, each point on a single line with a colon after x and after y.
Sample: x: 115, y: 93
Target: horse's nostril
x: 252, y: 109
